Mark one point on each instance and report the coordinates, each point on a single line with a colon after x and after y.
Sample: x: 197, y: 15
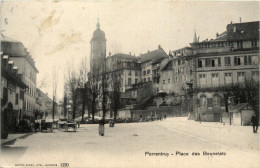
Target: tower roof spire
x: 98, y: 24
x: 195, y: 39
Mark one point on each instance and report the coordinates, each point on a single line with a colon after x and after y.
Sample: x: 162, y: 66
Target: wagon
x: 61, y: 124
x: 70, y: 124
x: 48, y: 126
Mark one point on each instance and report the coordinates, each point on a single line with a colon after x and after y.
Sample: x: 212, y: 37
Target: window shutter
x: 235, y: 60
x: 245, y: 60
x: 219, y: 61
x: 249, y: 60
x: 210, y: 102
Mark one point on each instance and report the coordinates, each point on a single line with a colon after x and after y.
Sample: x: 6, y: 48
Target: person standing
x: 254, y: 121
x: 101, y: 128
x: 199, y: 119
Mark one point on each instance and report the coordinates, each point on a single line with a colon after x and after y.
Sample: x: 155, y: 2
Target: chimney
x: 130, y: 53
x: 148, y: 51
x: 159, y: 47
x: 5, y: 60
x: 231, y: 22
x: 10, y: 65
x: 217, y: 35
x: 15, y: 70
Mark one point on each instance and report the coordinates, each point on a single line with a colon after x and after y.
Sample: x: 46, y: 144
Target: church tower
x: 98, y: 49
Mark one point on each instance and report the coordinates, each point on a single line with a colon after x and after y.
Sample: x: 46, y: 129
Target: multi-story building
x: 151, y: 64
x: 26, y: 66
x: 12, y: 94
x: 182, y: 69
x: 124, y: 66
x: 46, y: 104
x: 167, y: 78
x: 232, y: 57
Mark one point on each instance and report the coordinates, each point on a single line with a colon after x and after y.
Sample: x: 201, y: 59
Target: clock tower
x: 97, y: 50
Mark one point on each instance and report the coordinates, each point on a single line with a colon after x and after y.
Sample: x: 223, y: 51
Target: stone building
x: 12, y: 94
x: 232, y: 57
x: 26, y: 66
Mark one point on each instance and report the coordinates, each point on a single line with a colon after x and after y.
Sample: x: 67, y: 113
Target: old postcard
x: 129, y: 84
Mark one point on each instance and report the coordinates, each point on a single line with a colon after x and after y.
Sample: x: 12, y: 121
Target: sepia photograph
x: 129, y: 84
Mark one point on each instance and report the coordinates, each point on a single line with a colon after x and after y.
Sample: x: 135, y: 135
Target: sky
x: 58, y: 33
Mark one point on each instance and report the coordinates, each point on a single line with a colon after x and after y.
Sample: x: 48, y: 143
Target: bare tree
x: 72, y: 82
x: 55, y: 73
x: 43, y: 82
x: 115, y: 93
x: 82, y: 81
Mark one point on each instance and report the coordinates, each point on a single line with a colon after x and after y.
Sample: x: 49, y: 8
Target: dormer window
x: 234, y: 29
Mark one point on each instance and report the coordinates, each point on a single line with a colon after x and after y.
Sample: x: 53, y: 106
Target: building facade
x: 12, y: 94
x: 233, y: 57
x: 26, y: 66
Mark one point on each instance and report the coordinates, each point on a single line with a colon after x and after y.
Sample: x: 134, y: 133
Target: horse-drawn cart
x: 46, y: 126
x: 70, y: 124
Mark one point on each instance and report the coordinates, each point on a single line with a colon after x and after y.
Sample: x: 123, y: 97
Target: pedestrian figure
x: 254, y: 121
x: 199, y: 119
x: 101, y: 128
x: 141, y: 118
x: 165, y: 116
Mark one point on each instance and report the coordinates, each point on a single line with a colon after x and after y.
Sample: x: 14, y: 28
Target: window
x: 203, y: 101
x: 144, y: 79
x: 202, y: 80
x: 136, y: 73
x: 136, y: 80
x: 184, y: 78
x: 169, y: 81
x: 16, y: 98
x: 21, y: 94
x: 240, y: 44
x: 144, y: 72
x: 183, y: 61
x: 241, y: 76
x: 213, y: 63
x: 163, y: 81
x: 237, y: 61
x: 227, y: 61
x: 179, y: 62
x: 208, y: 62
x: 176, y: 79
x: 219, y: 61
x: 149, y: 79
x: 215, y: 80
x: 180, y: 78
x: 129, y: 81
x: 255, y: 75
x: 199, y: 63
x: 255, y: 60
x: 228, y: 78
x: 148, y: 71
x: 129, y: 72
x: 216, y: 101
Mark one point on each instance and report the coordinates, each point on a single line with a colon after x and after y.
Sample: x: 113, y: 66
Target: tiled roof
x: 243, y: 31
x: 123, y: 56
x: 168, y: 66
x: 156, y: 54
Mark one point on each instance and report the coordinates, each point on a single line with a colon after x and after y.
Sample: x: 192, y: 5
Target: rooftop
x: 156, y: 54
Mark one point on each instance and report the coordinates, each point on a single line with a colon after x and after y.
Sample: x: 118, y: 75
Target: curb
x: 13, y: 140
